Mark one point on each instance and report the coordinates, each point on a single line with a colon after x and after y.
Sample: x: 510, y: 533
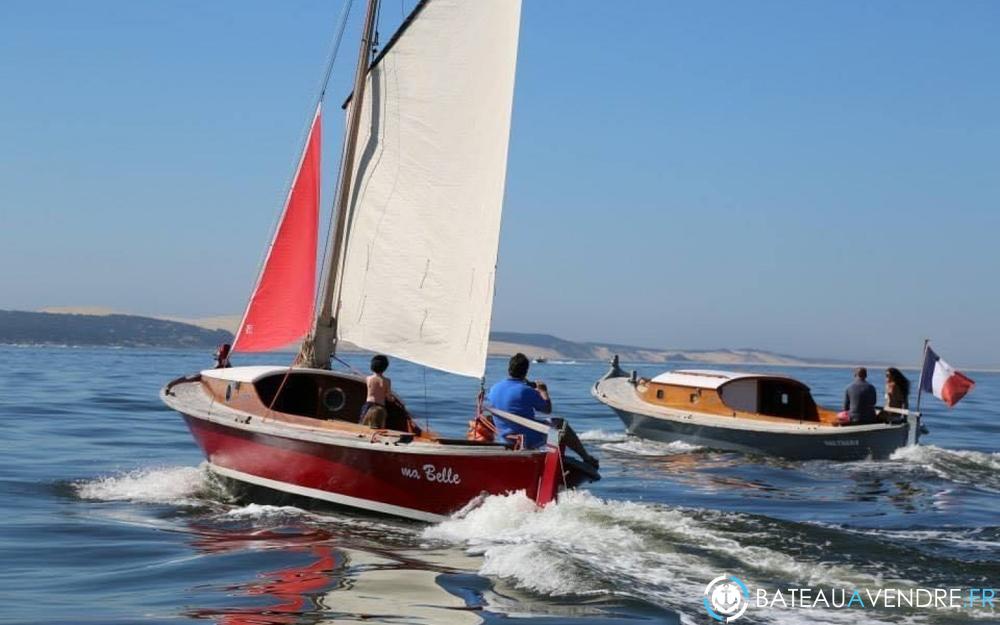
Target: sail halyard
x: 320, y: 344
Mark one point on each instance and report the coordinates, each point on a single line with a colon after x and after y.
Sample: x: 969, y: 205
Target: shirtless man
x: 373, y: 413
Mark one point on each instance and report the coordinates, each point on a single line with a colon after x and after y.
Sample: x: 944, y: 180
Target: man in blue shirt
x: 519, y: 396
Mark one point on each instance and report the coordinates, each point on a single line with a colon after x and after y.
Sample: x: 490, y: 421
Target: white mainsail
x: 423, y: 225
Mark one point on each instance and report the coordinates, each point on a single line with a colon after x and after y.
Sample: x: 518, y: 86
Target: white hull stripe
x: 344, y: 500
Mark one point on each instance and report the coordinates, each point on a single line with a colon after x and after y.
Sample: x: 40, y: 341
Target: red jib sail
x: 281, y: 306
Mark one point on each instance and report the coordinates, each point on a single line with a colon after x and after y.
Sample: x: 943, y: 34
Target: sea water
x: 109, y: 515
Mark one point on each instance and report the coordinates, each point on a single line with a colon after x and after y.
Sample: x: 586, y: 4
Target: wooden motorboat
x: 413, y: 251
x: 747, y: 412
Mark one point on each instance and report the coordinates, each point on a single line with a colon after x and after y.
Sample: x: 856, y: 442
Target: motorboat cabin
x: 733, y: 394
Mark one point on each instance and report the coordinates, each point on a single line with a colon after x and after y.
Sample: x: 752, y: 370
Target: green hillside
x: 37, y: 328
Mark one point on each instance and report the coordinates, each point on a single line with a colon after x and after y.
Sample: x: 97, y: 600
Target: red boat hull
x: 391, y: 479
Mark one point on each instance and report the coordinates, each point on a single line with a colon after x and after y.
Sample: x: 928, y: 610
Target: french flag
x: 942, y: 381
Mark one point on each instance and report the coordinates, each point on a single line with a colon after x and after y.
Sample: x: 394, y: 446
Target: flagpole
x: 920, y: 385
x: 915, y: 419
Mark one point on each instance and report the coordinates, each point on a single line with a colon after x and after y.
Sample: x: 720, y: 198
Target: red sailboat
x: 410, y: 274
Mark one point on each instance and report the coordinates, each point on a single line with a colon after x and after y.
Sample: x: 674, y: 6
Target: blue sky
x: 814, y: 178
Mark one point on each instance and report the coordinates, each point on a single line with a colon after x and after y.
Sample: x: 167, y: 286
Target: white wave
x: 259, y: 511
x: 642, y: 447
x: 585, y: 545
x: 963, y: 538
x: 171, y: 485
x: 931, y: 454
x: 620, y: 441
x: 975, y: 468
x: 604, y: 436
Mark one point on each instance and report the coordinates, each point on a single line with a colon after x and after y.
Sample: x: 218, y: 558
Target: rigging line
x: 427, y: 419
x: 341, y: 26
x: 345, y: 12
x: 346, y: 364
x: 378, y: 19
x: 270, y: 407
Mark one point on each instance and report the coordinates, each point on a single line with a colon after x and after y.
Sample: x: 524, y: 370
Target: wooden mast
x: 320, y: 345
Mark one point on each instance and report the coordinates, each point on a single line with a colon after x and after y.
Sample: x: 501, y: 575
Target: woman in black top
x: 897, y: 393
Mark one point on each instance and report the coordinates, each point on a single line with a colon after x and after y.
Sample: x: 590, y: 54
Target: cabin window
x: 334, y: 399
x: 659, y: 393
x: 785, y: 398
x: 740, y: 395
x: 298, y: 394
x: 695, y: 397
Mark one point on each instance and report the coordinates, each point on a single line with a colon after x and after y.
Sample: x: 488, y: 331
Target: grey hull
x: 876, y: 444
x: 793, y: 439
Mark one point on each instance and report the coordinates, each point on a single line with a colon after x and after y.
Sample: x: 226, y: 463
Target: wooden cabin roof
x: 242, y: 374
x: 254, y: 373
x: 710, y: 378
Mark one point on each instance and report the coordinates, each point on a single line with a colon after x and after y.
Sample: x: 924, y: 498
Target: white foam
x: 604, y: 436
x: 620, y: 441
x: 258, y: 511
x: 584, y: 545
x: 975, y: 468
x: 172, y: 485
x: 965, y: 538
x: 641, y: 447
x: 930, y: 454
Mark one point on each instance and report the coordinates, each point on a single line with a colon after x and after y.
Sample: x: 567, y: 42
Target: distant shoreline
x: 98, y: 327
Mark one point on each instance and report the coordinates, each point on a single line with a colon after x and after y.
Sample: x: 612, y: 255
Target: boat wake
x: 604, y: 436
x: 186, y: 487
x: 621, y: 442
x: 196, y: 489
x: 585, y: 546
x: 641, y: 447
x: 181, y: 486
x: 973, y: 468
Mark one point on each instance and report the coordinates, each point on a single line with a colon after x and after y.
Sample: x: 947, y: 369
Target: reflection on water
x: 339, y: 575
x: 291, y: 592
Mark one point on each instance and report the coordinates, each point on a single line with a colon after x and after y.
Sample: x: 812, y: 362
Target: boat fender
x: 481, y: 429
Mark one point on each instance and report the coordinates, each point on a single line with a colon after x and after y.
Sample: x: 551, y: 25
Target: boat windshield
x: 773, y: 397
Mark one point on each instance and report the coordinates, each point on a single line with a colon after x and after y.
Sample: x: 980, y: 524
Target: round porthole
x: 334, y: 399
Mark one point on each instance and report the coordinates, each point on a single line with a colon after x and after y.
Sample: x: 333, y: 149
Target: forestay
x: 427, y: 187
